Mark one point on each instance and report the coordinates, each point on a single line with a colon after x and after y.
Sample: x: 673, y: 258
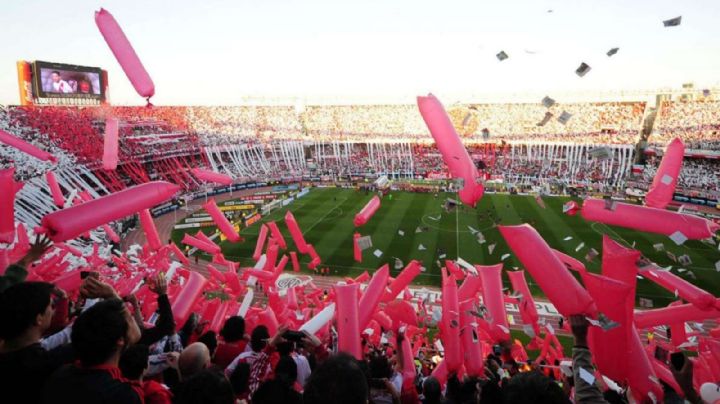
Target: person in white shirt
x: 59, y: 85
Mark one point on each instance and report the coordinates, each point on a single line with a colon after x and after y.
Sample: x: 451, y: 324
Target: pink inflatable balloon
x: 124, y: 53
x: 663, y: 185
x: 472, y: 346
x: 295, y: 232
x: 7, y: 205
x: 110, y: 144
x: 25, y: 147
x: 260, y: 245
x: 491, y: 276
x: 469, y: 289
x: 684, y: 289
x: 185, y: 300
x: 71, y: 222
x: 453, y: 151
x: 649, y: 220
x: 528, y: 311
x: 295, y: 262
x: 451, y: 325
x: 372, y: 295
x: 221, y: 221
x: 347, y: 319
x: 367, y: 211
x: 411, y: 270
x: 212, y: 176
x: 151, y: 233
x: 674, y: 314
x: 55, y: 191
x: 275, y: 231
x: 610, y: 348
x: 357, y: 252
x: 560, y: 287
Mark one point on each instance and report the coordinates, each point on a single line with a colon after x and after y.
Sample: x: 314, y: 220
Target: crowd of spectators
x: 95, y: 347
x: 698, y: 177
x: 697, y: 123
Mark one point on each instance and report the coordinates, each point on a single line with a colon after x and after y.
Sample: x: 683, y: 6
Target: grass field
x: 325, y: 215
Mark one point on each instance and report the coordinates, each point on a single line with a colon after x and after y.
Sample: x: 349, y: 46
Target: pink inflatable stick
x: 357, y: 252
x: 649, y: 220
x: 221, y: 221
x: 452, y: 149
x: 185, y: 300
x: 276, y: 234
x: 295, y: 232
x: 55, y: 191
x: 663, y: 185
x: 367, y: 211
x: 212, y: 176
x: 7, y: 205
x: 570, y: 262
x: 124, y: 53
x: 471, y: 343
x: 372, y: 295
x: 528, y: 311
x: 110, y: 144
x: 684, y: 289
x: 200, y: 244
x: 151, y: 233
x: 295, y: 262
x: 610, y: 348
x: 563, y: 290
x: 451, y: 325
x: 470, y: 287
x: 71, y: 222
x: 493, y: 299
x: 411, y: 270
x: 674, y: 314
x: 347, y: 319
x: 25, y: 147
x: 260, y: 245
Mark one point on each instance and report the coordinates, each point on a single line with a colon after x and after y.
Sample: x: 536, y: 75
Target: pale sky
x: 215, y: 52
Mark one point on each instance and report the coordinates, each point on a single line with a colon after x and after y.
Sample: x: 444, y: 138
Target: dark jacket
x: 23, y: 372
x: 99, y: 384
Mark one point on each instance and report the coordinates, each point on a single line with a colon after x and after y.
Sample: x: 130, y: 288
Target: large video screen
x: 58, y: 80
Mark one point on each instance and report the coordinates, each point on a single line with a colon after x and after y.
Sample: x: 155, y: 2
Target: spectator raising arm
x: 585, y: 390
x: 165, y: 324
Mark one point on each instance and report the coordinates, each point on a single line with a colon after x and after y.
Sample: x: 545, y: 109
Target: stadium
x: 553, y: 248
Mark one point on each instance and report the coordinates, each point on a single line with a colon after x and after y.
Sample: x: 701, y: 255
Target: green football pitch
x: 325, y: 216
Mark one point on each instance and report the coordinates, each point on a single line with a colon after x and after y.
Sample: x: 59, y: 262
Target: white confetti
x: 678, y: 237
x: 587, y: 376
